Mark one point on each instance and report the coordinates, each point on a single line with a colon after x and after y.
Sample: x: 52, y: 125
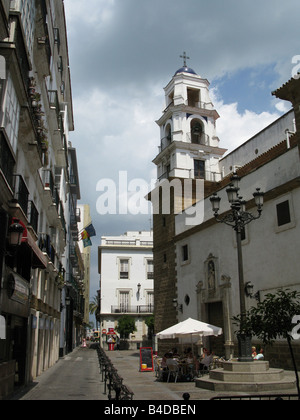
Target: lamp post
x: 238, y: 218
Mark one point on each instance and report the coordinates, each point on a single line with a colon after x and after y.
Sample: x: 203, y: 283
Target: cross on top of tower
x: 185, y: 57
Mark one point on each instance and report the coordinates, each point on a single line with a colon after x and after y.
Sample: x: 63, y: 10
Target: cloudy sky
x: 124, y: 52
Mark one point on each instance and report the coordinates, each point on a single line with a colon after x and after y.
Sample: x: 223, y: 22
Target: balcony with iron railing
x: 21, y: 193
x: 205, y: 175
x: 20, y: 48
x: 46, y: 246
x: 78, y: 215
x: 198, y: 138
x: 73, y: 256
x: 192, y: 138
x: 54, y: 104
x: 43, y: 51
x: 7, y: 161
x: 200, y: 105
x: 185, y: 173
x: 208, y: 106
x: 61, y: 216
x: 49, y: 184
x: 71, y: 281
x: 165, y: 142
x: 127, y: 309
x: 33, y: 216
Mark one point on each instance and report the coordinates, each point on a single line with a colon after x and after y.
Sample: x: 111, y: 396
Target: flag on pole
x: 86, y: 239
x: 86, y: 234
x: 87, y: 242
x: 90, y: 230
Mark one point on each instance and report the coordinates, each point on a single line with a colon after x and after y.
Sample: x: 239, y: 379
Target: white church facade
x: 196, y: 265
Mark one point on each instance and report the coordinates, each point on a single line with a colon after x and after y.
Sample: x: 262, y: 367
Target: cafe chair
x: 206, y: 369
x: 173, y: 371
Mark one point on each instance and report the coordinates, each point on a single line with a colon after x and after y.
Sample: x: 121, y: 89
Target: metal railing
x: 194, y: 174
x: 200, y: 138
x: 136, y: 309
x: 54, y: 104
x: 7, y: 161
x: 258, y: 397
x: 21, y: 192
x: 112, y: 380
x: 33, y: 216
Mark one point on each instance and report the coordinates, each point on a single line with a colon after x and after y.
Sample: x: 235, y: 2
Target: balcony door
x: 124, y: 301
x: 150, y: 301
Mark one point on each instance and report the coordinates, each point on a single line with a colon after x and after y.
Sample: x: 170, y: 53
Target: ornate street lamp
x: 238, y: 218
x: 15, y: 233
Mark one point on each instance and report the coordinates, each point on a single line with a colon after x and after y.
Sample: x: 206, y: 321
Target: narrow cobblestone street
x: 77, y: 377
x: 74, y: 377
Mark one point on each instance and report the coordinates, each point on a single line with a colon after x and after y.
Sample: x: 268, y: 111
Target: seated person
x: 206, y: 361
x: 187, y: 351
x: 171, y: 361
x: 165, y: 359
x: 192, y: 362
x: 190, y: 358
x: 175, y: 352
x: 260, y: 355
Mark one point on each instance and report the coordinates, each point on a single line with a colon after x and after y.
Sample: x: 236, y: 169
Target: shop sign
x: 17, y: 289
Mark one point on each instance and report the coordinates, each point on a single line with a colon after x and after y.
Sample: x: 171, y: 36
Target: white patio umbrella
x: 190, y: 327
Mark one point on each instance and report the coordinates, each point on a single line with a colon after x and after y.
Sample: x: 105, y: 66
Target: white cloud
x: 282, y: 106
x: 233, y: 127
x: 122, y: 54
x: 98, y: 13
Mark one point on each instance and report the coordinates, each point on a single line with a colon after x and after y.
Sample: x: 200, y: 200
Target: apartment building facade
x: 85, y: 220
x: 126, y: 283
x: 36, y: 117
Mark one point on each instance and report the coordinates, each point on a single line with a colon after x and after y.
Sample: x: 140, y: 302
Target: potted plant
x: 44, y: 143
x: 35, y: 98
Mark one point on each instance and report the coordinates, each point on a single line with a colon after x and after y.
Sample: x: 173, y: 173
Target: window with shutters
x: 124, y: 269
x: 150, y: 270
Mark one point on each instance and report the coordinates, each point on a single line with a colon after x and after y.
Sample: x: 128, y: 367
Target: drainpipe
x: 288, y: 132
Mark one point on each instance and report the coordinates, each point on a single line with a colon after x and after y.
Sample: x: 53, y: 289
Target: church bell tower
x: 189, y: 149
x: 189, y: 146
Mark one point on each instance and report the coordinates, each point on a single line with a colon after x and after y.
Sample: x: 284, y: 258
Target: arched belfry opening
x: 197, y: 132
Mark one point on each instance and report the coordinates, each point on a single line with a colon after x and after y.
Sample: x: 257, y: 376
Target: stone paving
x: 77, y: 377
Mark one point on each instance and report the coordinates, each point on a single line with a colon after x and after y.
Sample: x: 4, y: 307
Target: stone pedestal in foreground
x: 246, y: 377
